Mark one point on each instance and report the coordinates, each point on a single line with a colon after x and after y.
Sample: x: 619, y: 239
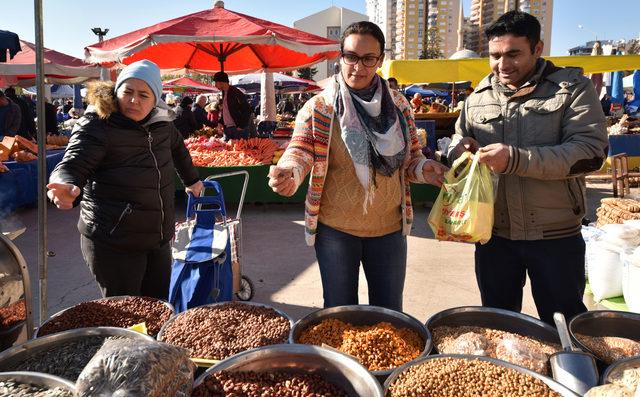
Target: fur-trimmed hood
x: 102, y: 101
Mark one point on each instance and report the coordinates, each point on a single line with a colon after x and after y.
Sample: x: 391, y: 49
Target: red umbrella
x: 217, y: 39
x: 185, y: 84
x: 58, y: 68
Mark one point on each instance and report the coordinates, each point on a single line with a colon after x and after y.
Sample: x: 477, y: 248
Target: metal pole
x: 105, y: 73
x: 42, y: 164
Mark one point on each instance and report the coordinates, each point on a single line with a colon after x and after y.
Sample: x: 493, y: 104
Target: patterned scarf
x: 374, y: 132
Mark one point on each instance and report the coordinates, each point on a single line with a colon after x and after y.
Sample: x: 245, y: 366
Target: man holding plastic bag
x: 540, y: 128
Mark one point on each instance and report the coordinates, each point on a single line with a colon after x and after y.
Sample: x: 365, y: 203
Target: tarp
x: 413, y: 89
x: 57, y: 91
x: 9, y: 42
x: 58, y: 67
x: 213, y: 39
x: 185, y: 84
x: 474, y: 70
x: 250, y: 83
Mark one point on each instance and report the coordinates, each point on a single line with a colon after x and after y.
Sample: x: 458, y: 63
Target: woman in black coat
x: 185, y: 120
x: 122, y: 156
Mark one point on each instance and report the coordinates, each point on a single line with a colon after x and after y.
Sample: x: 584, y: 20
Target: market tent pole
x: 267, y: 97
x: 42, y: 164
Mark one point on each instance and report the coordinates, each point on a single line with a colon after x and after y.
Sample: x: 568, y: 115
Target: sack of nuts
x: 126, y: 367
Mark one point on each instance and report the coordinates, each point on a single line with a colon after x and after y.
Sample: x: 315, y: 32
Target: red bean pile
x: 111, y: 313
x: 262, y: 384
x: 12, y: 314
x: 217, y: 332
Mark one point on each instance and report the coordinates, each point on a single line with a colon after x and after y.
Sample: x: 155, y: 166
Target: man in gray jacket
x: 541, y: 129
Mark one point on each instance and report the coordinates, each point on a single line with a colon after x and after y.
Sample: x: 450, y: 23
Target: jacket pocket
x: 487, y: 123
x: 575, y: 194
x: 543, y: 121
x: 128, y: 209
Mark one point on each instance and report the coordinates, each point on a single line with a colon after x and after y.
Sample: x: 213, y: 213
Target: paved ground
x: 440, y: 275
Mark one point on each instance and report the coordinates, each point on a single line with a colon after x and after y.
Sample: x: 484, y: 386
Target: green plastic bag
x: 463, y: 210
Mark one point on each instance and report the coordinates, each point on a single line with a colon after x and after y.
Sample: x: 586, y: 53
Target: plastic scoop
x: 572, y: 367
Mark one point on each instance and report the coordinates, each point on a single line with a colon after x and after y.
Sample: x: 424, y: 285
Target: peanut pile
x: 378, y: 347
x: 521, y: 350
x: 263, y: 384
x: 111, y: 313
x: 449, y: 377
x: 217, y: 332
x: 610, y: 348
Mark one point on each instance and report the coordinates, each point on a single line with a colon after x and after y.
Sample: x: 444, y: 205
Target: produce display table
x: 258, y: 191
x: 19, y: 186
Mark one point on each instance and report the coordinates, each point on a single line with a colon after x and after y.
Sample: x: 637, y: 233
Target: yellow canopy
x: 474, y: 70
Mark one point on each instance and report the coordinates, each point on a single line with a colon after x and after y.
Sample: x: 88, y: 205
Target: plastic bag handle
x: 474, y: 165
x: 451, y: 176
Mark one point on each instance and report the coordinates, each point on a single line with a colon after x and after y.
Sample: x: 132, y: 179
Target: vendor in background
x: 185, y: 121
x: 541, y: 150
x: 236, y: 112
x: 362, y: 155
x: 393, y: 83
x: 10, y: 116
x: 122, y: 156
x: 416, y: 102
x: 213, y: 111
x: 200, y: 113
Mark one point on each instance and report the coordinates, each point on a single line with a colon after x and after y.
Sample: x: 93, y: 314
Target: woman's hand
x: 63, y: 194
x: 281, y: 181
x: 195, y: 189
x: 433, y: 172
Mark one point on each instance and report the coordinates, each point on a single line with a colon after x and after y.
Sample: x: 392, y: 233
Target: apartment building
x: 329, y: 23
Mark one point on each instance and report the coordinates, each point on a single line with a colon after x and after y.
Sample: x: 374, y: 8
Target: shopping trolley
x: 207, y: 250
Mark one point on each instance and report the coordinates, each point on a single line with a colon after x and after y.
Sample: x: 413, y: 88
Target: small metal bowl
x: 39, y: 379
x: 201, y: 362
x: 112, y: 298
x: 17, y: 354
x: 605, y: 323
x: 364, y: 315
x: 618, y: 367
x: 553, y: 385
x: 338, y: 369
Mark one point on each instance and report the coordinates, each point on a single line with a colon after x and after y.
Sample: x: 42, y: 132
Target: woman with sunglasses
x: 358, y: 140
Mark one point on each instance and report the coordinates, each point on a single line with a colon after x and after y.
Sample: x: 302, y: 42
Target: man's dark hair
x: 1, y: 94
x: 10, y: 91
x: 517, y: 23
x: 392, y: 80
x: 364, y: 27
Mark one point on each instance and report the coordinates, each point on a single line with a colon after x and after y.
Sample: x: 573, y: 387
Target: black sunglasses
x: 367, y: 60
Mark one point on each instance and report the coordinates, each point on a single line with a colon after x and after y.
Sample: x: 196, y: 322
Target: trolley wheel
x: 246, y: 289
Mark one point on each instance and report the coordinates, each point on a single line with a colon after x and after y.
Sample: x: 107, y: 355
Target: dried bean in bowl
x: 263, y: 384
x: 453, y: 377
x: 122, y: 313
x: 15, y: 388
x: 220, y: 331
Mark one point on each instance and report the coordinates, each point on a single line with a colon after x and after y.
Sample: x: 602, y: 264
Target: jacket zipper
x: 127, y: 210
x: 155, y: 161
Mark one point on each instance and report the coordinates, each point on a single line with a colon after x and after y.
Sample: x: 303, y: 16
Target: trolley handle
x: 244, y: 186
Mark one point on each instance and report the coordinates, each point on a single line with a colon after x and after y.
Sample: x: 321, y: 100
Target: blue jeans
x: 555, y: 268
x: 235, y: 133
x: 384, y: 260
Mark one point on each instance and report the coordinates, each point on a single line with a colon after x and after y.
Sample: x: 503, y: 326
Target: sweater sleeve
x: 300, y: 154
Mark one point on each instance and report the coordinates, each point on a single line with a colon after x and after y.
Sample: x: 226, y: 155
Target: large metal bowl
x: 337, y: 368
x: 199, y: 360
x: 112, y: 298
x: 553, y: 385
x: 500, y: 319
x: 364, y: 315
x: 618, y: 367
x: 39, y: 379
x: 17, y: 354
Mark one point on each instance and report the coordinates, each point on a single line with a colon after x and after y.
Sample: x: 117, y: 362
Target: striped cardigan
x: 308, y: 151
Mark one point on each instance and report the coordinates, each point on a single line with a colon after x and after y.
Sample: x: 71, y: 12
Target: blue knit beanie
x: 146, y: 71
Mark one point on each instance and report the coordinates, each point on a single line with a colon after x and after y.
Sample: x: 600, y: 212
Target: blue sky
x: 68, y: 22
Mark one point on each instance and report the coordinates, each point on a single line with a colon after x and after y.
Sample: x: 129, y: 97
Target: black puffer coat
x: 126, y: 171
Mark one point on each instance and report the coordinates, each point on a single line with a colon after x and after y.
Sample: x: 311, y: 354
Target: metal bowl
x: 553, y: 385
x: 39, y: 379
x: 337, y: 368
x: 605, y: 323
x: 364, y: 315
x: 200, y: 361
x: 619, y: 366
x: 113, y: 298
x: 500, y: 319
x: 19, y: 353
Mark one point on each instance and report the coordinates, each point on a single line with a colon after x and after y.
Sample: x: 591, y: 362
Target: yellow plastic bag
x: 463, y: 210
